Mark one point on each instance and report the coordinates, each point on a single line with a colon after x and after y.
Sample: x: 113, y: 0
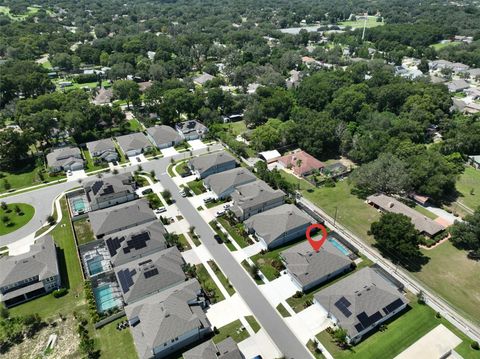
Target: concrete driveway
x: 279, y: 289
x: 169, y: 152
x: 196, y: 144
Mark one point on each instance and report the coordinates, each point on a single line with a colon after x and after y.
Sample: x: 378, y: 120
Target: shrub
x: 58, y: 293
x: 474, y: 345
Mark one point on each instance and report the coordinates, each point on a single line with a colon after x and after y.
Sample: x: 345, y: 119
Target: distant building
x: 29, y: 275
x: 474, y: 161
x: 203, y: 79
x: 65, y: 159
x: 226, y: 349
x: 110, y: 191
x: 278, y: 226
x: 163, y: 136
x: 269, y: 156
x: 103, y: 150
x: 361, y: 302
x: 223, y: 184
x: 191, y: 130
x: 206, y: 165
x: 458, y: 85
x: 134, y: 144
x: 168, y: 321
x: 300, y: 162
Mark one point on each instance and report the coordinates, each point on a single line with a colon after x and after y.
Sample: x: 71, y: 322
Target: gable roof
x: 203, y: 78
x: 226, y: 349
x: 308, y: 163
x: 422, y: 223
x: 109, y: 186
x: 307, y: 265
x: 163, y: 134
x: 360, y: 300
x: 63, y: 156
x: 255, y: 193
x: 204, y: 163
x: 40, y: 260
x: 187, y: 127
x: 220, y: 182
x: 101, y: 145
x: 277, y: 221
x: 167, y: 315
x: 132, y: 243
x: 133, y: 141
x: 122, y: 216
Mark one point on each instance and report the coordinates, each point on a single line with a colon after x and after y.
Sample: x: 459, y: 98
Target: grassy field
x: 71, y: 273
x: 233, y: 330
x: 455, y: 277
x: 253, y: 323
x: 440, y: 46
x: 15, y: 220
x: 84, y: 231
x: 5, y: 10
x: 300, y: 184
x: 236, y: 128
x: 208, y: 284
x: 371, y: 22
x: 224, y: 280
x: 114, y: 344
x: 468, y: 181
x: 401, y: 333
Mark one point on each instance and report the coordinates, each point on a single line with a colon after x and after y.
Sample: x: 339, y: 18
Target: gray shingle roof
x: 122, y: 216
x: 136, y: 242
x: 101, y: 145
x: 163, y: 134
x: 254, y: 193
x: 307, y: 266
x: 204, y: 163
x: 226, y: 349
x: 272, y: 224
x: 165, y: 316
x: 220, y: 182
x: 64, y: 155
x: 109, y: 186
x: 422, y: 223
x: 187, y: 127
x: 41, y: 260
x: 368, y: 296
x: 203, y: 78
x: 133, y: 141
x: 150, y: 274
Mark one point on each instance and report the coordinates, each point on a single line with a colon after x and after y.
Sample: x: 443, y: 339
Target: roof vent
x: 390, y: 204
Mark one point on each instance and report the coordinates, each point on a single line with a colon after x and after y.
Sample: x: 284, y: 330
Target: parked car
x: 227, y: 206
x: 220, y: 213
x: 115, y: 163
x: 138, y: 159
x: 147, y: 191
x: 208, y: 199
x: 218, y: 239
x: 160, y: 210
x: 186, y: 174
x: 69, y: 172
x: 183, y: 194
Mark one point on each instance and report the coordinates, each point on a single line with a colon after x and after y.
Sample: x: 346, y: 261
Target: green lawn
x: 468, y: 181
x: 236, y: 233
x: 247, y: 267
x: 181, y: 168
x: 233, y: 330
x: 371, y: 22
x: 225, y: 282
x: 30, y: 11
x: 197, y: 186
x: 401, y: 333
x: 183, y: 242
x: 314, y: 350
x: 283, y: 311
x: 115, y: 344
x: 300, y: 184
x: 223, y: 236
x: 16, y: 219
x: 135, y: 125
x: 182, y: 146
x: 208, y: 284
x: 425, y: 211
x: 90, y: 166
x: 253, y: 323
x: 235, y: 128
x: 440, y: 46
x: 84, y: 231
x: 71, y: 273
x: 455, y: 277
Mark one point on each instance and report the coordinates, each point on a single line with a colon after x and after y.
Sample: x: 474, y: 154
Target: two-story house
x: 191, y: 130
x: 163, y: 136
x: 207, y: 165
x: 223, y: 184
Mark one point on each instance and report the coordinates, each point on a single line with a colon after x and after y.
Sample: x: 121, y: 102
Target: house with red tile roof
x: 300, y: 162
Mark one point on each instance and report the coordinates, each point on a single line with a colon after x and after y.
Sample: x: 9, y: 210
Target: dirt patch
x: 65, y: 348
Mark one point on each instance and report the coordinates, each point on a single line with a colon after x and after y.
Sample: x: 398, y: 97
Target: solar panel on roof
x: 108, y: 189
x: 342, y: 307
x: 393, y: 306
x: 96, y: 186
x: 150, y: 273
x: 124, y: 279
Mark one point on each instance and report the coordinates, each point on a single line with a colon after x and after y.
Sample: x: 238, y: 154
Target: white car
x: 227, y: 206
x: 69, y: 172
x: 208, y: 199
x: 220, y: 213
x: 160, y: 210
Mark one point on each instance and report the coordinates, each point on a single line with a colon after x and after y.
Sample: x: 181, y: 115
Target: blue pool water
x: 339, y: 246
x: 105, y: 298
x: 79, y: 205
x: 95, y: 265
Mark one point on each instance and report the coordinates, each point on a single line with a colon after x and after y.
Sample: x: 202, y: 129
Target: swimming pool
x: 78, y: 205
x: 105, y: 298
x: 95, y: 265
x: 339, y: 246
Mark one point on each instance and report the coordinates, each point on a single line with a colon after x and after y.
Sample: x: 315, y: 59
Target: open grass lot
x: 300, y: 184
x: 440, y: 46
x: 236, y: 233
x: 16, y: 219
x: 469, y: 180
x: 5, y: 10
x: 371, y: 22
x: 225, y: 282
x: 455, y: 277
x: 197, y: 186
x: 208, y: 284
x: 253, y: 323
x: 83, y: 230
x: 235, y: 128
x: 70, y: 271
x: 352, y: 211
x: 233, y: 330
x: 405, y: 330
x: 113, y: 343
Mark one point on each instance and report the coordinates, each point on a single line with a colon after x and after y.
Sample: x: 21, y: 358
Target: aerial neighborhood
x: 244, y: 180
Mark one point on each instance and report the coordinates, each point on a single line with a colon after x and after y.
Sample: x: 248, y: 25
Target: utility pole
x: 335, y: 217
x: 364, y: 25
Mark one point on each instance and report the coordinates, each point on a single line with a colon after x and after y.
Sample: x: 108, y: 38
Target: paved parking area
x: 169, y: 151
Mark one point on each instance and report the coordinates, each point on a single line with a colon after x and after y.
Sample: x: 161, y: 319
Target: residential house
x: 191, y: 130
x: 123, y: 216
x: 206, y: 165
x: 104, y: 96
x: 269, y: 156
x: 163, y: 136
x: 279, y: 226
x: 110, y: 191
x: 294, y: 80
x: 444, y: 64
x: 150, y: 274
x: 474, y: 161
x: 309, y: 268
x: 134, y: 144
x: 361, y: 302
x: 474, y: 73
x: 223, y: 184
x: 203, y: 79
x: 458, y: 85
x: 168, y: 321
x: 423, y: 224
x: 136, y: 242
x: 255, y: 197
x: 31, y: 274
x: 335, y: 169
x: 300, y: 162
x: 226, y: 349
x: 103, y: 150
x: 65, y: 159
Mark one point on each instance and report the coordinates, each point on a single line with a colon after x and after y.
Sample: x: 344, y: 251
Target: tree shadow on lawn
x: 62, y: 265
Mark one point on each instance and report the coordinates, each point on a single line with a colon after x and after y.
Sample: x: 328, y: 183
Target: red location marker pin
x: 316, y: 245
